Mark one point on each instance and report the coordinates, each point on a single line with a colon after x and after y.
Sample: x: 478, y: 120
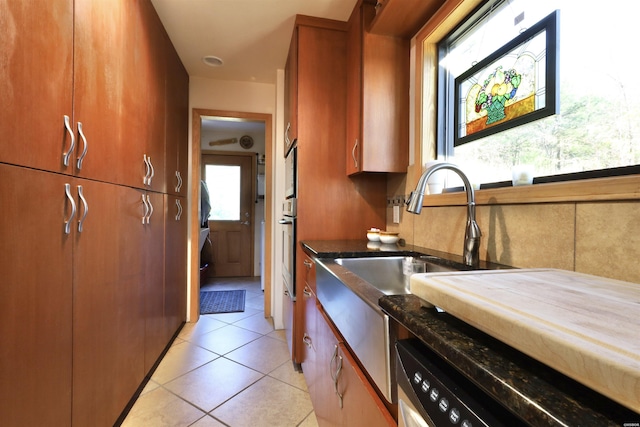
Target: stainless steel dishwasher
x: 431, y: 393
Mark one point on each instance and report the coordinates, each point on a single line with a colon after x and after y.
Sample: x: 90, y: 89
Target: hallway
x: 230, y: 369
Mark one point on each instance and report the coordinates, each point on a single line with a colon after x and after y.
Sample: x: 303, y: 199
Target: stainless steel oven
x: 288, y: 221
x: 431, y: 393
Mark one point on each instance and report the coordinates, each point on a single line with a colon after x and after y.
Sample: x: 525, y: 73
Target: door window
x: 223, y: 183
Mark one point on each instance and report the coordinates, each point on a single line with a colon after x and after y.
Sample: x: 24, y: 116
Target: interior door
x: 230, y: 181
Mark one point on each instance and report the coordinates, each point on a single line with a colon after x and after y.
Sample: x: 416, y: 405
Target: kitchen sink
x: 349, y: 290
x: 386, y: 273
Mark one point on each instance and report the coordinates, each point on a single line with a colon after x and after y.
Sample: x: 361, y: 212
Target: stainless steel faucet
x: 472, y: 232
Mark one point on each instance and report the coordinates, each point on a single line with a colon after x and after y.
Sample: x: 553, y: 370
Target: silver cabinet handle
x: 353, y: 154
x: 150, y: 209
x: 84, y: 150
x: 306, y: 339
x: 179, y: 206
x: 85, y: 207
x: 152, y: 170
x: 307, y: 264
x: 307, y: 292
x: 67, y: 223
x: 146, y: 168
x: 146, y: 210
x: 335, y: 377
x: 179, y: 182
x: 286, y: 135
x: 65, y: 156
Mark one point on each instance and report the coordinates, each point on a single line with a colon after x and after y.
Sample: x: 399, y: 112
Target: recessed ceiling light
x: 212, y: 61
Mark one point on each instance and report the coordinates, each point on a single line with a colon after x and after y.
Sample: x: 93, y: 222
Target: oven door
x: 288, y: 222
x: 289, y: 254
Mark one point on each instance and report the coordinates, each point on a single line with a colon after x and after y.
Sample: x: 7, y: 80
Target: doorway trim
x: 196, y: 151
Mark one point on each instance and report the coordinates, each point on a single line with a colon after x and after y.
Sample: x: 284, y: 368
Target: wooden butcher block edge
x: 584, y: 326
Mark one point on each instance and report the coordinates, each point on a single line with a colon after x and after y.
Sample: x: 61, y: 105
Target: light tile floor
x: 228, y: 369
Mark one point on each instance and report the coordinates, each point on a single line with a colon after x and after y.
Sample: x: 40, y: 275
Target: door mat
x: 222, y: 301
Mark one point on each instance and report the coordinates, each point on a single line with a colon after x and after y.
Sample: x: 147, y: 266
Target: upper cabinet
x: 82, y: 86
x: 291, y: 93
x: 402, y: 18
x: 177, y: 123
x: 377, y: 98
x: 36, y: 82
x: 119, y: 93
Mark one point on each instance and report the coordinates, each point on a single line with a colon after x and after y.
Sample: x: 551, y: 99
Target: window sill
x: 588, y: 190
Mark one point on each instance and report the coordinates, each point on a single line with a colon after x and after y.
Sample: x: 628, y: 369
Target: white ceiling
x: 251, y: 36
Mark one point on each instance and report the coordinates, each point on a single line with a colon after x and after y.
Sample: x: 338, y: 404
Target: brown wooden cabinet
x: 36, y: 83
x: 377, y: 98
x: 176, y: 126
x: 175, y: 276
x: 291, y: 92
x: 87, y: 307
x: 331, y: 205
x: 340, y: 391
x: 119, y: 83
x: 108, y: 304
x: 402, y: 18
x: 35, y: 298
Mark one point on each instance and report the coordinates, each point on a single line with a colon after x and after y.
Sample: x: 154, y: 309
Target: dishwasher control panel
x: 442, y: 395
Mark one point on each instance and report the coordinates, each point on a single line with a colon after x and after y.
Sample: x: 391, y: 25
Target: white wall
x: 248, y: 97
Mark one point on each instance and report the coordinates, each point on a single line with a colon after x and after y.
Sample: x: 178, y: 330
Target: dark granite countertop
x: 530, y: 389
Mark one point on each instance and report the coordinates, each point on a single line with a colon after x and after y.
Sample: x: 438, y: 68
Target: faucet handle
x: 408, y: 201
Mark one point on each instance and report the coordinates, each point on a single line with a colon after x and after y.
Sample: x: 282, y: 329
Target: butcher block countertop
x: 584, y: 326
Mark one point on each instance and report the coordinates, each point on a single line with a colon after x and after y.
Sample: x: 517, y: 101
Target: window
x: 223, y: 183
x: 595, y: 128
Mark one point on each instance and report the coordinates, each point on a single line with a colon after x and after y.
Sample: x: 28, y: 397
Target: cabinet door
x: 177, y: 123
x: 308, y: 325
x: 117, y: 80
x: 175, y: 294
x: 377, y: 98
x: 154, y: 286
x: 151, y: 73
x: 361, y: 404
x: 291, y: 92
x: 36, y: 82
x: 326, y: 401
x: 108, y: 306
x: 35, y: 299
x: 354, y: 93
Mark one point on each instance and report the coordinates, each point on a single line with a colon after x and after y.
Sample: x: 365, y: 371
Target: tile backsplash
x: 599, y: 238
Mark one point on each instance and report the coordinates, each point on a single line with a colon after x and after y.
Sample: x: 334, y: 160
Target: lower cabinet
x: 340, y: 392
x: 85, y: 307
x: 35, y: 299
x: 175, y: 257
x: 108, y: 305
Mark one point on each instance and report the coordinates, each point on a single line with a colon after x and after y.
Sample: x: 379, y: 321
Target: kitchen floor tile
x: 207, y: 421
x: 181, y: 359
x: 204, y: 325
x: 233, y: 317
x: 278, y: 334
x: 256, y: 323
x: 160, y: 408
x: 234, y: 365
x: 264, y: 354
x: 310, y: 421
x: 286, y: 373
x: 226, y: 339
x: 268, y: 402
x: 212, y: 384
